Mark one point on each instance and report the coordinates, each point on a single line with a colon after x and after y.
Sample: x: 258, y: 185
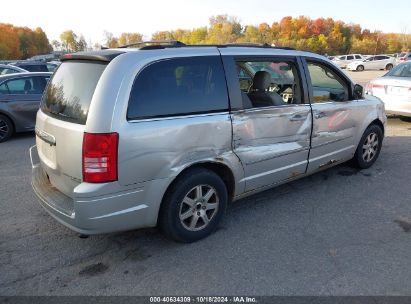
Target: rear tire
x: 369, y: 147
x: 6, y: 128
x: 193, y: 206
x: 389, y: 66
x: 360, y: 68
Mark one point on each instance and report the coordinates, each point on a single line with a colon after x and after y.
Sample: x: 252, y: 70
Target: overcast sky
x: 91, y: 17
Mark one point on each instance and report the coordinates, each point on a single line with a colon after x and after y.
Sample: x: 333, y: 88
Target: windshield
x: 71, y: 89
x: 402, y: 70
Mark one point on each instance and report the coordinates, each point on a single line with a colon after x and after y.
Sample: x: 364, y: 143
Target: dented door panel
x: 334, y: 127
x: 272, y: 143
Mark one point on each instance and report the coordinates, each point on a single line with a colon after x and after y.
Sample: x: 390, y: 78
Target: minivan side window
x: 179, y: 86
x: 265, y: 83
x: 326, y: 85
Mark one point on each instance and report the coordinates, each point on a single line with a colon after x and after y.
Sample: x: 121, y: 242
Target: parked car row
x: 379, y: 62
x: 22, y: 85
x: 357, y: 62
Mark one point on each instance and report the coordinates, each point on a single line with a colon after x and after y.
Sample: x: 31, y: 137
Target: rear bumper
x: 98, y: 208
x: 397, y: 106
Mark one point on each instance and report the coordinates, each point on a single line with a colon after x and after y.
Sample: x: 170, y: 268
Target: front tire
x: 369, y: 147
x: 389, y: 67
x: 6, y: 128
x: 360, y: 68
x: 194, y: 206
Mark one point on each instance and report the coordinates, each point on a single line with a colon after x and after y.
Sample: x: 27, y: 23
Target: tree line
x: 322, y: 35
x: 22, y: 42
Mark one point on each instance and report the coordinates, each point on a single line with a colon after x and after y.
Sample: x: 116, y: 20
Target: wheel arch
x: 221, y: 169
x: 379, y: 123
x: 10, y: 118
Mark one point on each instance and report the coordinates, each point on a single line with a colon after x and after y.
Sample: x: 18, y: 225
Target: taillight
x: 403, y: 59
x: 100, y: 157
x: 376, y: 86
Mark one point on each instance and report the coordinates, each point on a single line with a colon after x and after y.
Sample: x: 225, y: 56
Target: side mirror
x: 358, y: 92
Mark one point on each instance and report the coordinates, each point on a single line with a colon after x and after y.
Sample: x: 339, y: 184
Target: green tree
x: 69, y: 41
x: 224, y: 29
x: 130, y: 38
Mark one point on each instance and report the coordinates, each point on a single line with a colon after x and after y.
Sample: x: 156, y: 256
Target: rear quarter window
x: 179, y: 86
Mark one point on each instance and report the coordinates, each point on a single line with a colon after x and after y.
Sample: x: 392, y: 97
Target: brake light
x: 376, y: 86
x: 403, y: 58
x: 100, y: 157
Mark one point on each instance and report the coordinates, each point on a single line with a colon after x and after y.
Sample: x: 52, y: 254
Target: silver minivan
x: 168, y: 135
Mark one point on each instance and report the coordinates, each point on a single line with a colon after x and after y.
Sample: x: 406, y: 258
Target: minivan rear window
x: 71, y: 89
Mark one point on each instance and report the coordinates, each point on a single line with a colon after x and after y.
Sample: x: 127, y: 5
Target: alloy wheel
x: 370, y: 147
x: 199, y: 207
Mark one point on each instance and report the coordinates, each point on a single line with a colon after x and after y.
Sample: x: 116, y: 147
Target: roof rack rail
x: 161, y: 44
x: 154, y: 44
x: 260, y: 45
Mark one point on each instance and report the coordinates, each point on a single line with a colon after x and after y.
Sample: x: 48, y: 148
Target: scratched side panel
x: 162, y: 148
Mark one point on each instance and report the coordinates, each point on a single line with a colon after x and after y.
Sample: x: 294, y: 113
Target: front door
x: 334, y: 122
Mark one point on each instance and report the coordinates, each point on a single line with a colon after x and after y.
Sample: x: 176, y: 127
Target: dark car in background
x: 32, y: 66
x: 20, y: 96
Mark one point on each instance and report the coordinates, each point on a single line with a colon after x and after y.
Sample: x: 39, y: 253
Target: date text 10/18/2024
x: 199, y: 299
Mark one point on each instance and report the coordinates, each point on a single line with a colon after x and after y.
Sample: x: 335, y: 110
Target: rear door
x: 382, y: 61
x: 61, y: 121
x: 272, y: 141
x: 371, y: 63
x: 334, y: 114
x: 350, y: 58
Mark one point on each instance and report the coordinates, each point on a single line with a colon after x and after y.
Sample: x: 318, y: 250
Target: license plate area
x: 47, y: 153
x: 393, y: 90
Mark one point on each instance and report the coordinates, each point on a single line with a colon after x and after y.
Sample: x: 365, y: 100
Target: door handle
x: 298, y: 117
x: 320, y: 115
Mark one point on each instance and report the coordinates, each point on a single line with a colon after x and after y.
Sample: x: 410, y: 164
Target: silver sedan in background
x: 394, y: 89
x: 6, y: 69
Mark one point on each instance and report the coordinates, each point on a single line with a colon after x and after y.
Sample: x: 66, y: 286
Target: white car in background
x: 402, y: 57
x: 344, y: 60
x: 379, y: 62
x: 394, y: 89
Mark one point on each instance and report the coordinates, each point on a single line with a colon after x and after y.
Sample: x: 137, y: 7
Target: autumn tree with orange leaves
x: 22, y: 42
